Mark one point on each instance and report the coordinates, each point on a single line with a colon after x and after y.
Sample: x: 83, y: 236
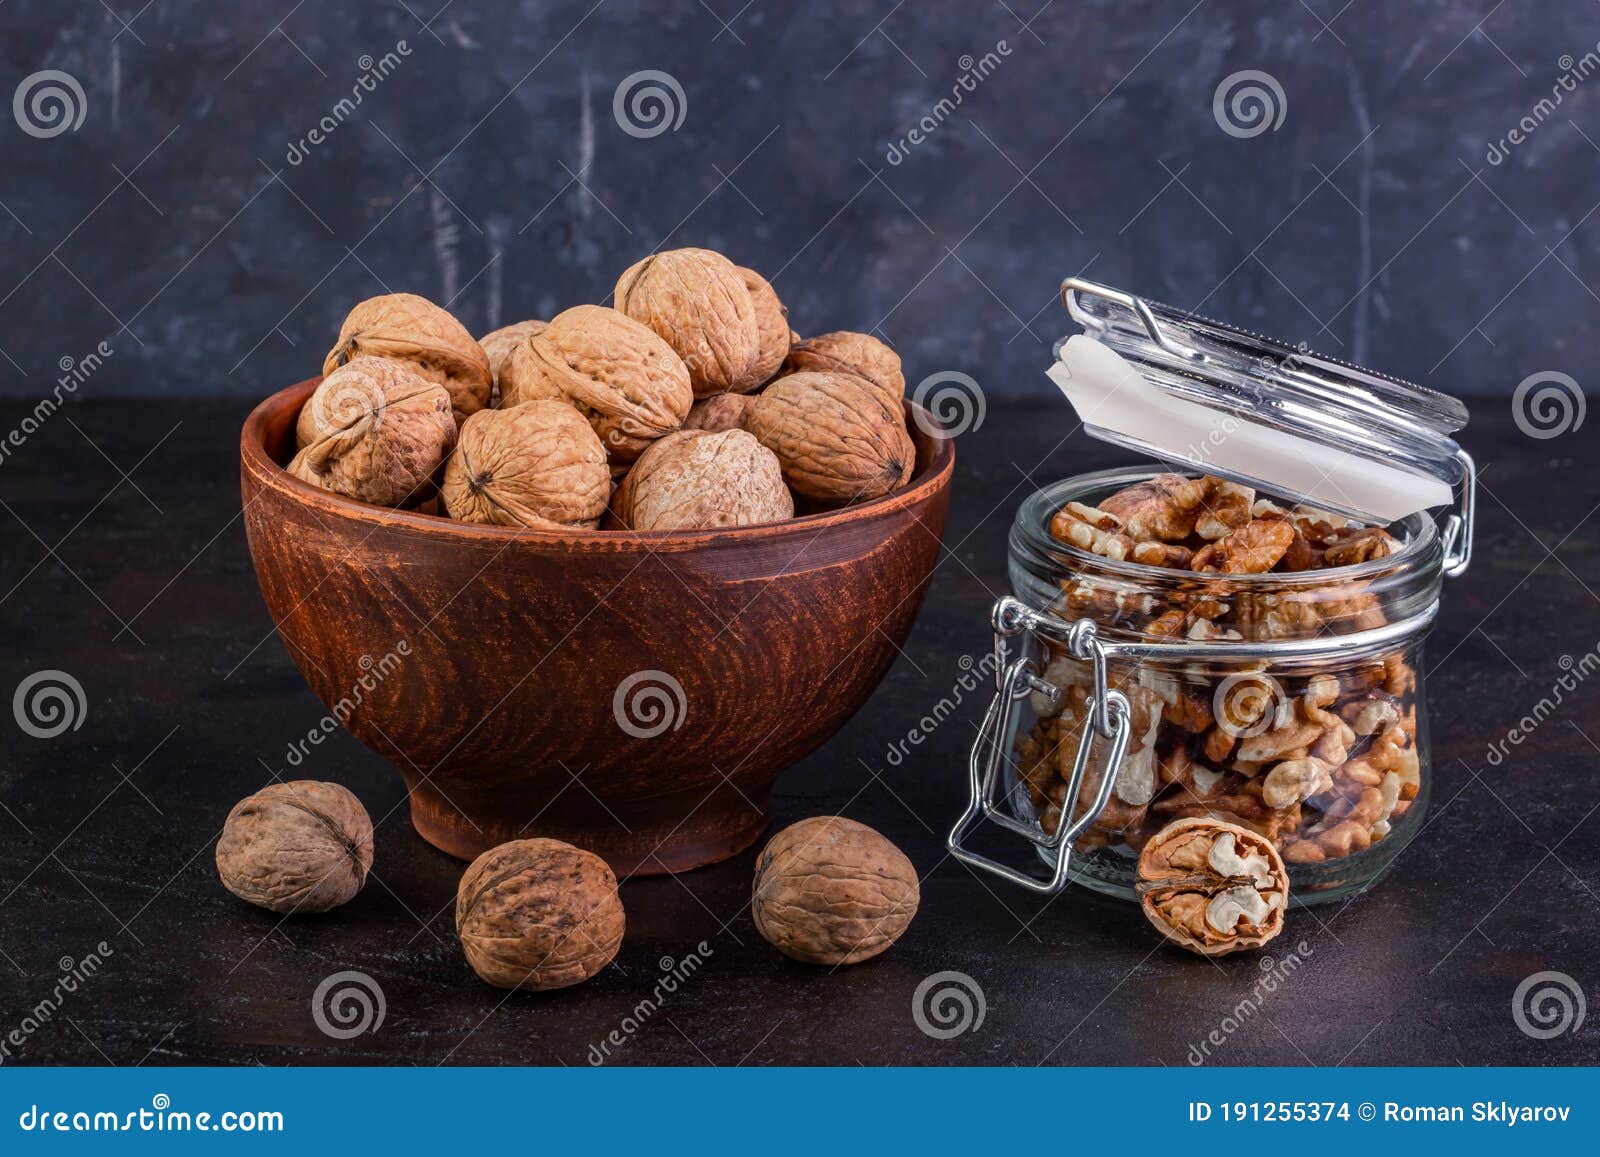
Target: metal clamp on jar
x: 1130, y: 695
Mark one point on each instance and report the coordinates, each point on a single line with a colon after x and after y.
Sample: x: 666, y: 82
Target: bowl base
x: 634, y: 841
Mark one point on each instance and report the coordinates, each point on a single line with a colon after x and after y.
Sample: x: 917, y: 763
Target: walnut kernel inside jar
x: 1306, y: 725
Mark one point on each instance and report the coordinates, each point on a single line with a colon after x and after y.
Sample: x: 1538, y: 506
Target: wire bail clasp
x: 1109, y: 717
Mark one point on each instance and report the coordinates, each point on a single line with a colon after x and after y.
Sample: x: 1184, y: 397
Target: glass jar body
x: 1310, y: 727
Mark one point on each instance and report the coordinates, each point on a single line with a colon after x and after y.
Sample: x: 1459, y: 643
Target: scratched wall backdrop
x: 1414, y: 188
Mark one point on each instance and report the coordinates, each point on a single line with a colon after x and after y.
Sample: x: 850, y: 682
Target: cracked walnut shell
x: 695, y: 480
x: 538, y: 914
x: 628, y: 382
x: 697, y: 301
x: 375, y: 431
x: 301, y: 846
x: 832, y: 891
x: 412, y: 329
x: 834, y: 436
x: 843, y: 352
x: 1213, y: 887
x: 538, y: 464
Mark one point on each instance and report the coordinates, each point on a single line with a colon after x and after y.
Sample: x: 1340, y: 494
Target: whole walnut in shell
x: 498, y: 344
x: 302, y: 846
x: 843, y: 352
x: 412, y: 329
x: 698, y: 302
x: 628, y: 382
x: 695, y: 480
x: 829, y: 890
x: 1213, y: 887
x: 722, y: 412
x: 834, y: 435
x: 772, y: 323
x: 538, y: 464
x: 538, y: 914
x: 376, y: 431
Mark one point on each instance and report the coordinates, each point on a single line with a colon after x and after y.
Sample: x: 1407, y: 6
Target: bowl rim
x: 923, y: 485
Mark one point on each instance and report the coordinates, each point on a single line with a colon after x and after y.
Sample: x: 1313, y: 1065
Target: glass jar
x: 1290, y: 702
x: 1210, y: 727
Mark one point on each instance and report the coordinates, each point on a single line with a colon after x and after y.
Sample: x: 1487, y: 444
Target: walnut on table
x: 1213, y: 887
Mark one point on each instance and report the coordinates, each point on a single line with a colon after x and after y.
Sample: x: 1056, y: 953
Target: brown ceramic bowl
x: 537, y: 690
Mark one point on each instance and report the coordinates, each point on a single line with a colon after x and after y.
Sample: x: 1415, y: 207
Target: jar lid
x: 1229, y: 402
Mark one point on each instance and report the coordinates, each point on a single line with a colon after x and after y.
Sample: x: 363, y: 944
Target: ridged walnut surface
x: 834, y: 435
x: 498, y: 344
x: 697, y: 301
x: 844, y: 352
x: 772, y: 325
x: 829, y: 890
x: 376, y: 431
x: 538, y: 464
x: 413, y: 329
x: 299, y: 847
x: 538, y: 914
x: 695, y: 480
x: 629, y: 383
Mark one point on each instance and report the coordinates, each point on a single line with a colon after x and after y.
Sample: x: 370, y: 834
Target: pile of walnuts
x: 687, y: 404
x: 1321, y: 763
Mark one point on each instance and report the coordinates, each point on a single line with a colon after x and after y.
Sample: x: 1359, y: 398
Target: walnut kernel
x: 1213, y: 887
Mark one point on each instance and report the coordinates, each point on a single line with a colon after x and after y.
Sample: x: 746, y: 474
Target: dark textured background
x: 1370, y: 224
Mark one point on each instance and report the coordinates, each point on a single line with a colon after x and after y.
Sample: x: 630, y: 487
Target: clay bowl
x: 635, y: 694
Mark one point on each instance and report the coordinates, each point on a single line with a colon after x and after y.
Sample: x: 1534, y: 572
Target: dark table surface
x: 123, y: 562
